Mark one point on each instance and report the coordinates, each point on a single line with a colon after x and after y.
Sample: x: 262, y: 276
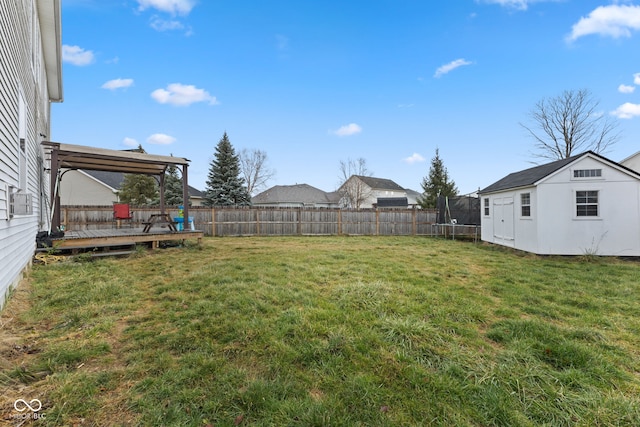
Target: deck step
x: 111, y: 253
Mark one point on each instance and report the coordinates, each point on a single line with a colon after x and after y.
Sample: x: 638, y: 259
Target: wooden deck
x: 117, y: 240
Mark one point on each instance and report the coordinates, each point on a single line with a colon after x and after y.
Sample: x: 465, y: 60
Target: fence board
x: 263, y: 221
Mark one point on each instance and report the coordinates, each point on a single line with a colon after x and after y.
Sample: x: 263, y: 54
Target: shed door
x: 503, y: 220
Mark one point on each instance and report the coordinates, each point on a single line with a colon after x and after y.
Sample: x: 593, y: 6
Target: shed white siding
x: 552, y: 226
x: 24, y: 122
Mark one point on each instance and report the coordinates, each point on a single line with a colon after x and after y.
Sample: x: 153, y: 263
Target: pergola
x: 68, y: 156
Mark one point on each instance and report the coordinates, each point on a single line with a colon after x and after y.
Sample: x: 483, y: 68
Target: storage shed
x: 584, y: 204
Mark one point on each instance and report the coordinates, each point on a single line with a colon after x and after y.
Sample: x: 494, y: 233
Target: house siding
x: 78, y: 188
x: 22, y: 76
x: 632, y: 162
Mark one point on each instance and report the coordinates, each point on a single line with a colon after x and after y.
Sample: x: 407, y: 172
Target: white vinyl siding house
x: 586, y: 204
x: 632, y: 162
x: 30, y: 79
x: 365, y: 192
x: 78, y: 188
x: 100, y: 188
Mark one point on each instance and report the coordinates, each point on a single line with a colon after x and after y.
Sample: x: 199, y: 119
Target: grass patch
x: 328, y: 331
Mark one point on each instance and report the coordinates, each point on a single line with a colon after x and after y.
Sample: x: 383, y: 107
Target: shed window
x: 486, y: 206
x: 525, y: 204
x: 587, y: 173
x: 586, y: 203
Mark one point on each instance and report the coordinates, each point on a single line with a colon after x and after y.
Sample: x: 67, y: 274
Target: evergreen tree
x: 225, y: 187
x: 138, y: 190
x: 172, y: 187
x: 437, y: 183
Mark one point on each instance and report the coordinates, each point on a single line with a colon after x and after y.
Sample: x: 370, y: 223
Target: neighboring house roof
x: 298, y: 193
x: 379, y: 183
x: 532, y: 175
x: 115, y: 180
x: 334, y: 196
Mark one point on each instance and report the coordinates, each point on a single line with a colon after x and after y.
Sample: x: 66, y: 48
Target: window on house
x: 587, y: 173
x: 525, y: 204
x: 22, y: 147
x: 586, y: 203
x: 486, y: 206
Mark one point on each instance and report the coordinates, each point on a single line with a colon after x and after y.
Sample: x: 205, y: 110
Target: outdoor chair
x: 122, y: 212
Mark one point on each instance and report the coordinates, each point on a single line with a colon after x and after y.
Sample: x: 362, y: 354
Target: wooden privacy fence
x: 263, y: 221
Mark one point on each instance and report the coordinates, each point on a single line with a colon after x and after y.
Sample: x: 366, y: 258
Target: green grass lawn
x: 335, y: 331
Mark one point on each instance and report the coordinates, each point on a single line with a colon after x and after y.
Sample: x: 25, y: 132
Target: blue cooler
x: 180, y: 223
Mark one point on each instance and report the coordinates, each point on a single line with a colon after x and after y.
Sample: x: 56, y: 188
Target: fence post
x: 299, y: 221
x: 414, y: 227
x: 257, y: 221
x: 377, y: 222
x: 213, y: 221
x: 339, y: 222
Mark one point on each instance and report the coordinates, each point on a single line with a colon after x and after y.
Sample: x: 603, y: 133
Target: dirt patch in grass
x: 24, y: 376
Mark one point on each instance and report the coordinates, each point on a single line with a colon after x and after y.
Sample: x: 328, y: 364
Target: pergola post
x: 161, y: 183
x: 55, y: 193
x: 185, y: 197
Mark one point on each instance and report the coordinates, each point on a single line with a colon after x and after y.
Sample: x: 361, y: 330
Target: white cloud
x: 636, y: 79
x: 613, y: 20
x: 160, y: 24
x: 161, y: 139
x: 175, y: 7
x: 77, y: 56
x: 626, y: 89
x: 348, y: 130
x: 414, y: 158
x: 182, y: 95
x: 117, y: 84
x: 447, y: 68
x: 627, y: 111
x: 514, y: 4
x: 130, y: 142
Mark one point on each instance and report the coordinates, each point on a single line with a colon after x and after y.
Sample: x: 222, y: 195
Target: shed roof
x: 533, y: 175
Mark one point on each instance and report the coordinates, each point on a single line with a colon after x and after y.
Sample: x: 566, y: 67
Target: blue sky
x: 313, y: 83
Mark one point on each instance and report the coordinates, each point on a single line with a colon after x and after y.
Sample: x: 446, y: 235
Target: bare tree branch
x: 569, y: 124
x: 354, y: 191
x: 256, y: 173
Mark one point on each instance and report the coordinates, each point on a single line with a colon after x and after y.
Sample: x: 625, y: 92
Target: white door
x: 503, y: 220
